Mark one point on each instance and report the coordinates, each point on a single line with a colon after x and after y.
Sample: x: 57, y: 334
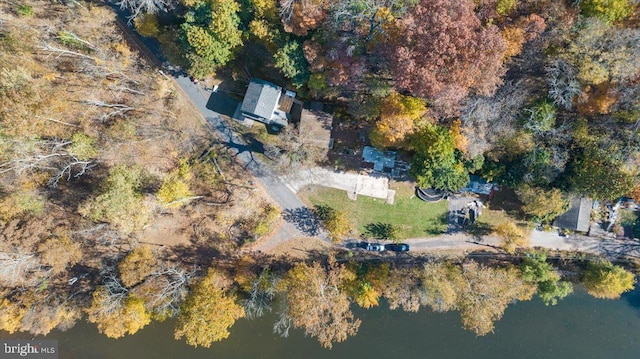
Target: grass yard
x: 412, y: 217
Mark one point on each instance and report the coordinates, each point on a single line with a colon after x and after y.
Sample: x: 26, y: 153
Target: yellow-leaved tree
x: 316, y: 303
x: 605, y: 280
x: 208, y: 312
x: 512, y: 236
x: 543, y: 205
x: 11, y: 315
x: 59, y: 251
x: 116, y: 313
x: 175, y: 189
x: 398, y: 116
x: 120, y: 202
x: 138, y: 264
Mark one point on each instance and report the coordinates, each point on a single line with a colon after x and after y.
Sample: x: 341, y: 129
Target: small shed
x: 382, y: 161
x: 578, y: 216
x: 478, y: 185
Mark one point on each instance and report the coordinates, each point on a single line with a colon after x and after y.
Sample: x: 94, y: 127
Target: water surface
x: 578, y: 327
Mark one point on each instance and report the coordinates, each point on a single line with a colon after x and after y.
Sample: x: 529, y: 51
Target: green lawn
x: 413, y: 217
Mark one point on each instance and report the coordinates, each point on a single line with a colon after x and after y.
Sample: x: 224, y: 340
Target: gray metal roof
x: 261, y: 98
x: 379, y: 159
x: 577, y: 217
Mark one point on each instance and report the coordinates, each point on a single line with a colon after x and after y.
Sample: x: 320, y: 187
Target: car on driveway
x: 375, y: 247
x: 397, y: 247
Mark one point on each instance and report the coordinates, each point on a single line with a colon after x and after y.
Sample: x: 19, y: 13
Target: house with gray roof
x: 266, y: 103
x: 578, y: 216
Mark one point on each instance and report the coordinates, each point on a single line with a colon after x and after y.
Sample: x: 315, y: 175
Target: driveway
x: 610, y: 247
x: 457, y: 219
x: 352, y: 183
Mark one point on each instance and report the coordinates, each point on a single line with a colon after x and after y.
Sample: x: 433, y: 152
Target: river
x: 578, y: 327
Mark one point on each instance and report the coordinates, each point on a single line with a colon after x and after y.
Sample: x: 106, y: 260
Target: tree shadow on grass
x: 382, y: 231
x: 305, y: 219
x: 479, y: 230
x: 439, y: 225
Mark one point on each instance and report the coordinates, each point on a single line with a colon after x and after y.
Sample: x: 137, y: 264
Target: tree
x: 607, y: 281
x: 20, y: 203
x: 314, y: 301
x: 138, y: 7
x: 174, y: 191
x: 598, y: 173
x: 563, y: 85
x: 163, y: 290
x: 298, y: 17
x: 535, y: 269
x: 210, y: 35
x: 512, y: 236
x: 291, y: 62
x: 402, y: 289
x: 369, y: 20
x: 11, y: 315
x: 147, y: 25
x: 541, y: 118
x: 115, y: 312
x: 441, y: 283
x: 436, y: 163
x: 444, y: 52
x: 367, y: 296
x: 52, y: 156
x: 46, y: 311
x: 336, y: 222
x: 262, y: 291
x: 504, y: 7
x: 608, y: 10
x: 137, y: 265
x: 602, y: 53
x: 265, y: 9
x: 487, y: 293
x: 208, y: 311
x: 83, y: 147
x: 461, y: 141
x: 58, y: 252
x: 120, y: 202
x: 398, y: 117
x: 368, y: 283
x: 543, y: 205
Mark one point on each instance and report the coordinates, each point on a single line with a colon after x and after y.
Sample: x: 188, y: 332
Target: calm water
x: 578, y: 327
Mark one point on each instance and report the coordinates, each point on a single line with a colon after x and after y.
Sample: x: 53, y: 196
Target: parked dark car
x: 397, y: 247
